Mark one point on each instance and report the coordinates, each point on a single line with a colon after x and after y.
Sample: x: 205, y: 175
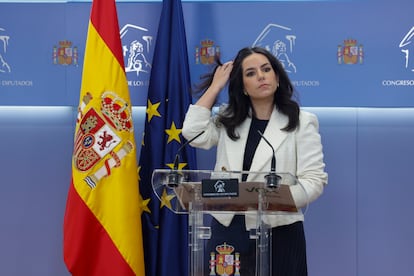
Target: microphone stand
x: 174, y: 178
x: 272, y: 179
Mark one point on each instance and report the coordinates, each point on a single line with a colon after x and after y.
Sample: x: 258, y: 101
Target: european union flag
x: 166, y: 233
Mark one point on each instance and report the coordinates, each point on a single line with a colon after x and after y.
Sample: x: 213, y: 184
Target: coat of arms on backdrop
x: 350, y: 52
x: 207, y: 52
x: 65, y: 53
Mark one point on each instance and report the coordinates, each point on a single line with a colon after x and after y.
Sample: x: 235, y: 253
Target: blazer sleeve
x: 310, y: 169
x: 198, y: 119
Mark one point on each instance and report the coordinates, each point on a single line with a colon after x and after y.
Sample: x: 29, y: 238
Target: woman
x: 261, y: 98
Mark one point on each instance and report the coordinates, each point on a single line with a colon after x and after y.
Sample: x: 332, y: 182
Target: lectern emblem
x: 224, y: 263
x: 219, y: 186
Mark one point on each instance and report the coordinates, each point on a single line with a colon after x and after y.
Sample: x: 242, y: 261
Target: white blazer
x: 298, y: 152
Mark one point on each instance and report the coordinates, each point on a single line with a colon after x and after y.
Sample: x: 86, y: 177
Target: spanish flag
x: 102, y: 224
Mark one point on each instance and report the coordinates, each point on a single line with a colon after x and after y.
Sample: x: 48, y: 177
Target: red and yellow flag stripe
x: 102, y: 226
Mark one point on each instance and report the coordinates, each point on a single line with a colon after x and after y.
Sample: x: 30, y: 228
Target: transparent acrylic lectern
x: 203, y: 193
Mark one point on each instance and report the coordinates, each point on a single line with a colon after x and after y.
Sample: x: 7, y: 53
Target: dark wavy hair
x: 239, y: 105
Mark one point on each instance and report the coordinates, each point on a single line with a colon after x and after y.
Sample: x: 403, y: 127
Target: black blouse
x: 253, y: 140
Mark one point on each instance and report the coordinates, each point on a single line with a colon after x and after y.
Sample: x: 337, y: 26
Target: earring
x: 245, y: 93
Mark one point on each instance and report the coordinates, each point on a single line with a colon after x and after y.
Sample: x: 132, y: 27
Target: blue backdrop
x: 338, y: 53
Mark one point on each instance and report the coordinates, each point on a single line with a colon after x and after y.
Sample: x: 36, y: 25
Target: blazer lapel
x: 236, y: 148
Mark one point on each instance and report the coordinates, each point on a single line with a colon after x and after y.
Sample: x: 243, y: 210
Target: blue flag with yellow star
x: 166, y: 233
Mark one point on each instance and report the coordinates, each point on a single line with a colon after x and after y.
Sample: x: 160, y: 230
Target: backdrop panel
x: 337, y: 53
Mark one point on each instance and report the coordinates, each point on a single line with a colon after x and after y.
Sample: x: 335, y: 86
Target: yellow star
x: 142, y: 140
x: 173, y: 133
x: 143, y: 205
x: 166, y: 199
x: 138, y: 171
x: 152, y: 110
x: 180, y: 165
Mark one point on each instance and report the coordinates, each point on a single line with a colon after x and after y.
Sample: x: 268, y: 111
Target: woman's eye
x: 267, y: 69
x: 250, y: 74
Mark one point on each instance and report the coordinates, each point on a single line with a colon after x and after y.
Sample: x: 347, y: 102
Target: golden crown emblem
x: 225, y: 249
x: 207, y: 43
x: 117, y: 112
x: 65, y: 43
x: 350, y: 42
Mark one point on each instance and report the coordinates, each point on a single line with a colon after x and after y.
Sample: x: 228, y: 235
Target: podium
x: 205, y: 194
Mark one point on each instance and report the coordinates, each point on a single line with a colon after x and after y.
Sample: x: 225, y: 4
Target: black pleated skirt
x: 288, y: 256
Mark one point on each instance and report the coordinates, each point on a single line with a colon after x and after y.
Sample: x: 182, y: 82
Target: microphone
x: 174, y: 177
x: 272, y: 179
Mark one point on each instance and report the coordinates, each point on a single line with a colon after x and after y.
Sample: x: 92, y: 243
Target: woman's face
x: 259, y: 79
